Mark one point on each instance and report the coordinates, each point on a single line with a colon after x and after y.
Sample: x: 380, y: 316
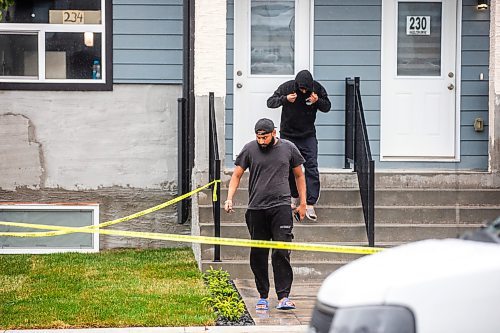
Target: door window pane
x: 18, y: 55
x: 57, y: 12
x: 419, y: 41
x: 69, y: 55
x: 272, y: 37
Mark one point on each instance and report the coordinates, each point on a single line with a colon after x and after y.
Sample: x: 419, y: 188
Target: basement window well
x: 74, y: 215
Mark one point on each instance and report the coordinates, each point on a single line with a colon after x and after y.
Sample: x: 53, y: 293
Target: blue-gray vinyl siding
x: 347, y: 41
x: 147, y: 41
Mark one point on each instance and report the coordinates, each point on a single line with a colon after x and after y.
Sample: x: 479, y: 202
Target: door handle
x: 451, y: 86
x: 239, y: 85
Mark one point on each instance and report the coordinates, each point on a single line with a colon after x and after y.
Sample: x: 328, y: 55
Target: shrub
x: 224, y: 298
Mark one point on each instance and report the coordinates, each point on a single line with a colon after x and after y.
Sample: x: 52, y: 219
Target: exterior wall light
x: 482, y: 4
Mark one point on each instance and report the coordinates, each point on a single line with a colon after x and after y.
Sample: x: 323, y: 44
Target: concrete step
x: 437, y: 197
x: 394, y: 179
x: 317, y: 232
x: 383, y: 214
x: 237, y: 252
x: 302, y: 270
x: 387, y: 197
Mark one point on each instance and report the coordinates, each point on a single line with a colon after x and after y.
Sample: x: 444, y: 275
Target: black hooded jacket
x: 297, y: 118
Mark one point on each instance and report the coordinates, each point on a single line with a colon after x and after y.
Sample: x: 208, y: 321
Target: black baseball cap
x: 264, y: 126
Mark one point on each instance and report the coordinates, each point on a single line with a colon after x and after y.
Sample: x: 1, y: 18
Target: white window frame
x: 41, y: 29
x: 92, y: 207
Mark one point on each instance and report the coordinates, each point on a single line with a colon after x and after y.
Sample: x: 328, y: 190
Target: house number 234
x: 73, y: 17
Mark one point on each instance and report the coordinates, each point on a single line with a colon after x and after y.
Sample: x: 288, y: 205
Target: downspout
x: 186, y: 115
x: 190, y: 86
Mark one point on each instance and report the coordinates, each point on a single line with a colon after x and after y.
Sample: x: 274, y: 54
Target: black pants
x: 308, y: 147
x: 271, y: 224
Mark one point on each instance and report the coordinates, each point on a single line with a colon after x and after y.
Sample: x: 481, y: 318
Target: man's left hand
x: 313, y: 98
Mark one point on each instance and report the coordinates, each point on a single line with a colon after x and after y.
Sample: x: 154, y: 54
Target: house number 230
x: 418, y: 25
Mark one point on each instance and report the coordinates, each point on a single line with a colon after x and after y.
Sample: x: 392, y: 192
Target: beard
x: 266, y: 148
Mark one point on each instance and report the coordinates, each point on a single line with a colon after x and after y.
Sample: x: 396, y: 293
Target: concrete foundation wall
x: 87, y: 140
x: 115, y: 202
x: 209, y: 76
x: 115, y: 148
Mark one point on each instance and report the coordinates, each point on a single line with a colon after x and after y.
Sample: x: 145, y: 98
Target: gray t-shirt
x: 268, y: 184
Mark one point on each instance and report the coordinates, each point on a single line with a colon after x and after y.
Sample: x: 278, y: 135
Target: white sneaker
x: 295, y: 202
x: 311, y: 213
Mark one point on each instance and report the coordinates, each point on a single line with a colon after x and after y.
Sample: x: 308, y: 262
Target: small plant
x: 4, y: 5
x: 224, y: 299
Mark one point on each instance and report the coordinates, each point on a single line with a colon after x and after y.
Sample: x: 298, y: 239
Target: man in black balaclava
x: 301, y: 99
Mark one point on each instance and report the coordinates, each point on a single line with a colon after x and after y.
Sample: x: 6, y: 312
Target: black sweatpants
x: 276, y: 224
x: 308, y: 147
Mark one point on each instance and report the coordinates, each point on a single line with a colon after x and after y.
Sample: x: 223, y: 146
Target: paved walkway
x: 303, y: 294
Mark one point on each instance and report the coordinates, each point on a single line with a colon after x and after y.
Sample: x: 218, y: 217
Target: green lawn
x: 117, y: 288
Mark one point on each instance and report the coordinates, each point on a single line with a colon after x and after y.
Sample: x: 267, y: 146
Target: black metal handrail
x: 358, y: 152
x: 214, y: 169
x: 184, y: 179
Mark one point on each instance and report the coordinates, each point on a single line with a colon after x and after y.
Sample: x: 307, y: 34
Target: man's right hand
x: 291, y: 97
x: 301, y: 210
x: 228, y: 206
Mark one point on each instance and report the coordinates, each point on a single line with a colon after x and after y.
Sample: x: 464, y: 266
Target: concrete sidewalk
x: 206, y: 329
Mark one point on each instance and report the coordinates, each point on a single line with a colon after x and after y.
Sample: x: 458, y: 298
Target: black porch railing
x: 184, y: 179
x: 357, y: 152
x: 214, y: 169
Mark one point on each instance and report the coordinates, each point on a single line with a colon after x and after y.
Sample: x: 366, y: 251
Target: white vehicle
x: 450, y: 285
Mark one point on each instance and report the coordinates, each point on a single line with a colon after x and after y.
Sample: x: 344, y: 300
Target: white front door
x: 271, y: 44
x: 419, y: 80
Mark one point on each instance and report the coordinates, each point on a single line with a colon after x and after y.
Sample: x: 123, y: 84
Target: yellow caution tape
x: 61, y: 230
x: 120, y: 220
x: 214, y: 192
x: 207, y: 240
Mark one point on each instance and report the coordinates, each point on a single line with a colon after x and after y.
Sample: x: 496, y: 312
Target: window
x: 419, y: 39
x: 64, y: 44
x: 272, y: 37
x: 76, y: 215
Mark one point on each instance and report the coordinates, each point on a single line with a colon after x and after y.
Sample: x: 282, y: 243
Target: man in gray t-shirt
x: 269, y: 214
